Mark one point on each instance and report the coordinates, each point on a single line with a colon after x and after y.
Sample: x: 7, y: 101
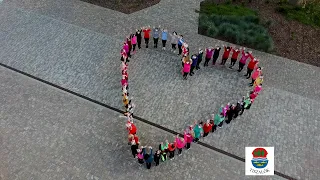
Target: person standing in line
x: 242, y: 105
x: 134, y: 145
x: 209, y: 52
x: 163, y: 147
x: 180, y: 43
x: 139, y: 37
x: 126, y: 48
x: 198, y: 131
x: 226, y: 54
x: 237, y: 110
x: 257, y: 89
x: 174, y: 41
x: 258, y: 81
x: 140, y: 155
x: 181, y: 142
x: 148, y: 156
x: 185, y: 49
x: 155, y: 34
x: 171, y: 149
x: 247, y: 102
x: 215, y: 54
x: 194, y: 59
x: 146, y: 35
x: 214, y: 126
x: 244, y: 57
x: 200, y: 55
x: 189, y: 137
x: 157, y: 157
x: 186, y: 68
x: 251, y: 65
x: 256, y: 73
x: 230, y: 113
x: 234, y: 57
x: 130, y: 45
x: 164, y: 37
x: 218, y: 120
x: 134, y: 43
x: 207, y: 127
x: 124, y: 56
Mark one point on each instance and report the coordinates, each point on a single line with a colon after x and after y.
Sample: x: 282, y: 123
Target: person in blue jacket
x: 164, y: 38
x: 180, y: 43
x: 148, y: 157
x: 194, y: 59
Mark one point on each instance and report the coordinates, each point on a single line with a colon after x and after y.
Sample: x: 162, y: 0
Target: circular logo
x: 259, y: 159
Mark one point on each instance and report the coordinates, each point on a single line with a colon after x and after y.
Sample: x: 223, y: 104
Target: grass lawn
x: 234, y: 23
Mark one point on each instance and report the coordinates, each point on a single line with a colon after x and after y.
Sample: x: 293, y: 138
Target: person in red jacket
x: 132, y: 129
x: 234, y: 57
x: 146, y: 35
x: 226, y: 54
x: 207, y: 127
x: 251, y: 65
x: 171, y: 149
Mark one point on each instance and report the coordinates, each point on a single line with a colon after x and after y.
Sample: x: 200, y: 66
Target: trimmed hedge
x: 241, y: 26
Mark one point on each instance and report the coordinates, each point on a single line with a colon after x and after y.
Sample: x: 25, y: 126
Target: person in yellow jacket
x: 125, y: 100
x: 258, y: 81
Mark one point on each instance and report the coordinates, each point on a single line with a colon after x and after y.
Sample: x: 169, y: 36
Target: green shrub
x: 226, y: 9
x: 213, y: 30
x: 236, y: 24
x: 309, y: 15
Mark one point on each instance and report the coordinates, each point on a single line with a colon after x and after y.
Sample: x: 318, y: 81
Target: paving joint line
x: 136, y: 117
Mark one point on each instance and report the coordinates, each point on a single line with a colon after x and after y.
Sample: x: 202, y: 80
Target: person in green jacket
x: 218, y: 120
x: 197, y: 131
x: 247, y: 102
x: 163, y: 147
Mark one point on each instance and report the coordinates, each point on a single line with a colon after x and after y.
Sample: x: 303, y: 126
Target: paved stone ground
x: 48, y: 134
x: 52, y: 46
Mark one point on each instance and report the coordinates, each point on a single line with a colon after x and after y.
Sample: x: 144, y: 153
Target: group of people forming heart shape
x: 199, y: 129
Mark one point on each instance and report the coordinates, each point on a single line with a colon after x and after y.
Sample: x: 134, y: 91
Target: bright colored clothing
x: 126, y: 47
x: 189, y: 138
x: 134, y: 40
x: 209, y: 53
x: 124, y: 82
x: 257, y: 89
x: 180, y: 41
x: 226, y: 53
x: 207, y: 127
x: 235, y: 54
x: 257, y: 82
x: 244, y: 57
x: 170, y: 148
x: 181, y: 144
x: 256, y: 73
x: 133, y: 129
x: 164, y: 146
x: 252, y: 64
x: 186, y: 67
x: 146, y: 33
x: 197, y: 131
x: 217, y: 119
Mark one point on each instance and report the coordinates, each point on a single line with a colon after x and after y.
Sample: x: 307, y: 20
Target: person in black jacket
x: 242, y: 105
x: 237, y: 110
x: 139, y: 37
x: 215, y: 54
x: 230, y: 113
x: 156, y: 157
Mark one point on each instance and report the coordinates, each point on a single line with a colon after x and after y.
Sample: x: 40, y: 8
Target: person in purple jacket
x: 209, y: 53
x: 194, y: 59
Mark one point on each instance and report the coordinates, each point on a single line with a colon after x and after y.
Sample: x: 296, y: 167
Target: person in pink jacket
x: 181, y: 142
x: 256, y: 73
x: 186, y: 68
x: 124, y: 81
x: 244, y: 58
x: 257, y: 89
x: 189, y: 137
x: 134, y: 42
